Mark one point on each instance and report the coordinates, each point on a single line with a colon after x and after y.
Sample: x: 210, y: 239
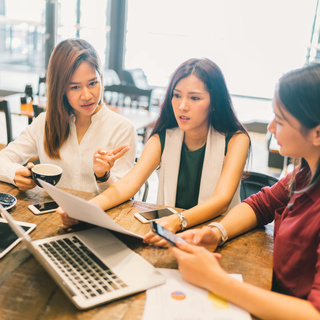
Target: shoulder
x: 113, y: 119
x: 38, y: 122
x: 238, y: 138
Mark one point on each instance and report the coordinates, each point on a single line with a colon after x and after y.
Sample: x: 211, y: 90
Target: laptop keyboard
x: 82, y: 267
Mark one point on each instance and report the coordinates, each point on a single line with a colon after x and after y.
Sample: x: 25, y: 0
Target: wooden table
x: 27, y: 292
x: 140, y: 118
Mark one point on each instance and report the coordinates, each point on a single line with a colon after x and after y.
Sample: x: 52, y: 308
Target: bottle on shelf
x: 29, y: 96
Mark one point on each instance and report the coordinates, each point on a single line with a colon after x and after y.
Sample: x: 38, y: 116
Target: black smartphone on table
x: 45, y: 207
x: 164, y: 233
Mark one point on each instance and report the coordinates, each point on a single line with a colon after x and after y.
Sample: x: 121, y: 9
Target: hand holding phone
x: 148, y: 216
x: 45, y: 207
x: 164, y: 233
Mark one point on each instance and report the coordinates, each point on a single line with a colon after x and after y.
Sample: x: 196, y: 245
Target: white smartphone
x: 148, y: 216
x: 45, y: 207
x: 8, y: 238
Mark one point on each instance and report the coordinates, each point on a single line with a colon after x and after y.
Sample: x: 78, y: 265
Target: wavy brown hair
x: 65, y: 59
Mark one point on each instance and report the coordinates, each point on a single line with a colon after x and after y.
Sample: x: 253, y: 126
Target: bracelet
x: 224, y: 235
x: 104, y: 178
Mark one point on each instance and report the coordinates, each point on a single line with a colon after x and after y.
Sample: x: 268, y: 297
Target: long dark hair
x: 65, y: 59
x: 298, y: 92
x: 222, y: 116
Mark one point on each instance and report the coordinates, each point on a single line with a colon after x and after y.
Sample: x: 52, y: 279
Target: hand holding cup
x: 48, y: 172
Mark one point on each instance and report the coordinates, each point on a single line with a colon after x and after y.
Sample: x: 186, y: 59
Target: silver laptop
x: 92, y: 266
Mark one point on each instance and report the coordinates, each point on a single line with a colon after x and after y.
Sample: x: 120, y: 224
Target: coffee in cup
x: 50, y: 173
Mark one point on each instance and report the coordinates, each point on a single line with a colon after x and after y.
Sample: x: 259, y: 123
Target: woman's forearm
x: 239, y: 220
x: 205, y: 211
x: 263, y: 303
x: 117, y: 193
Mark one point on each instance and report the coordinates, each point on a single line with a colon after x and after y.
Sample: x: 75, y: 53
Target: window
x: 254, y: 42
x: 90, y: 24
x: 22, y: 30
x: 22, y: 34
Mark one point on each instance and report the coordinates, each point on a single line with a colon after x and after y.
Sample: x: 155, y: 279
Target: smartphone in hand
x: 45, y: 207
x: 171, y: 237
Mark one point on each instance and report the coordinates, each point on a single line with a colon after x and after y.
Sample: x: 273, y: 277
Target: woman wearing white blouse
x: 77, y: 132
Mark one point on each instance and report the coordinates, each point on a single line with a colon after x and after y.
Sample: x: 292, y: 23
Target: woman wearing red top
x: 293, y: 203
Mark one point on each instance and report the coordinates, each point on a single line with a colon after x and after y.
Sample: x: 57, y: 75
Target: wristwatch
x: 104, y: 178
x: 224, y: 235
x: 183, y: 221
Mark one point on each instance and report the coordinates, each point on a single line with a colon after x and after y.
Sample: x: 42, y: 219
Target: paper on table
x: 177, y: 299
x: 83, y: 210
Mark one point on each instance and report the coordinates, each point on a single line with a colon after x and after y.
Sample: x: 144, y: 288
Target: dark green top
x: 190, y: 170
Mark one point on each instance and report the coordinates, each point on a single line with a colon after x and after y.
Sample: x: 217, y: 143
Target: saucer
x: 7, y: 200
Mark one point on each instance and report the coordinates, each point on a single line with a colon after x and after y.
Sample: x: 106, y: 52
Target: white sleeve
x: 19, y: 151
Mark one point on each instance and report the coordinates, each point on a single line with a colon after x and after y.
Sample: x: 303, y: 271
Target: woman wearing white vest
x: 199, y: 146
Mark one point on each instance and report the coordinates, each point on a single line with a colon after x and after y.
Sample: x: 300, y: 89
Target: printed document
x: 179, y: 300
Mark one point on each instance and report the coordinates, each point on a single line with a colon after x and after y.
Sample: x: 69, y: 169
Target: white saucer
x: 7, y: 200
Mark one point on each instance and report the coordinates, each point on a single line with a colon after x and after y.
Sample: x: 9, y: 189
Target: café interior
x: 140, y: 43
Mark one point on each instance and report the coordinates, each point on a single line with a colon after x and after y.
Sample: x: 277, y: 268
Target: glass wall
x: 22, y: 30
x: 253, y: 41
x: 84, y: 19
x: 22, y: 34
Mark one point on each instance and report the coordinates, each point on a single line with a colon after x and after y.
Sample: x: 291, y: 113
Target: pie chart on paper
x: 178, y: 295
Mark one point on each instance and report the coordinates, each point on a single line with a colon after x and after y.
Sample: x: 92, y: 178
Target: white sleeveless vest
x: 211, y: 171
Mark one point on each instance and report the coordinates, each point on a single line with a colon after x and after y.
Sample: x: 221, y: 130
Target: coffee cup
x: 50, y: 173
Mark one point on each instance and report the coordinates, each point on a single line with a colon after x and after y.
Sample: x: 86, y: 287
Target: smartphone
x: 8, y: 238
x: 165, y: 233
x: 45, y: 207
x: 148, y: 216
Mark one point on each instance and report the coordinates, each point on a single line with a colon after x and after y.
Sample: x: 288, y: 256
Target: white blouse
x: 107, y: 130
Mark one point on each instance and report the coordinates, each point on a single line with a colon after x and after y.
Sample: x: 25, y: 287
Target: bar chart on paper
x: 179, y: 300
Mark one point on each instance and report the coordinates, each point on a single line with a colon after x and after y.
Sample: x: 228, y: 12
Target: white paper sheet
x: 179, y: 300
x: 83, y: 210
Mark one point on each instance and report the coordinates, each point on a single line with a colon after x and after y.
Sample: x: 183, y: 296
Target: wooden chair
x: 4, y: 107
x: 127, y: 96
x: 253, y: 182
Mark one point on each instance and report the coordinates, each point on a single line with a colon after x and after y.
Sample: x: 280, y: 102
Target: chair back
x: 42, y: 86
x: 37, y: 110
x: 135, y: 77
x: 126, y: 95
x: 110, y: 77
x: 253, y: 182
x: 4, y: 107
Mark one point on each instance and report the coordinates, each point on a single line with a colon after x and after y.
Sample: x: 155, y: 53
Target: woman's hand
x: 104, y: 160
x: 171, y: 223
x: 205, y: 237
x: 67, y: 222
x: 23, y: 178
x: 198, y: 266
